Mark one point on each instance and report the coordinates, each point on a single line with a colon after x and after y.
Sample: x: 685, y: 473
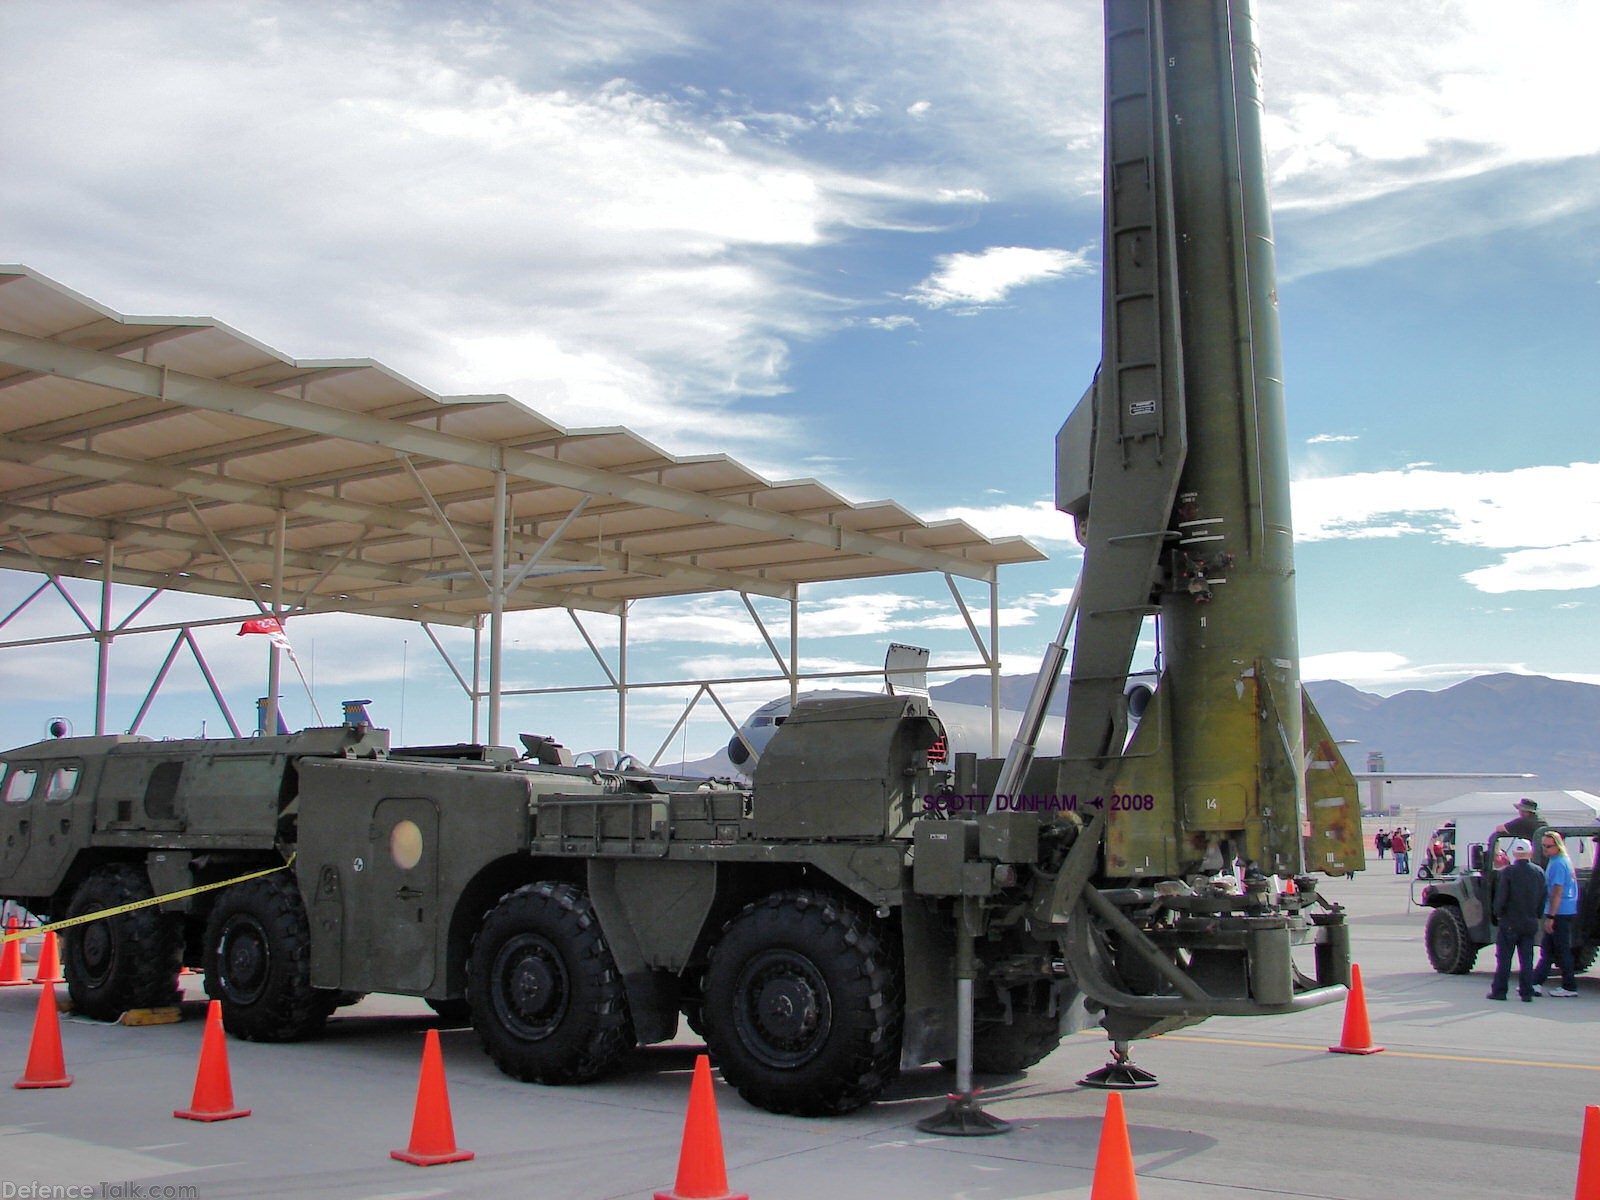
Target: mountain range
x: 1492, y: 723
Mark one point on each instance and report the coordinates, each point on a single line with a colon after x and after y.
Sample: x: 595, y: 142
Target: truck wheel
x: 803, y: 1005
x: 1451, y: 949
x: 127, y: 961
x: 547, y: 999
x: 1001, y: 1049
x: 1583, y: 957
x: 258, y: 962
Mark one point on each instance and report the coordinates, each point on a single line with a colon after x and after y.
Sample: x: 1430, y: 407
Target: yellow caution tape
x: 85, y: 918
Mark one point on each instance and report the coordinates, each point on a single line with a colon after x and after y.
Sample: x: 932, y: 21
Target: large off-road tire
x: 547, y: 998
x: 258, y: 962
x: 1451, y: 949
x: 1002, y: 1049
x: 127, y: 961
x: 1583, y: 957
x: 803, y: 1005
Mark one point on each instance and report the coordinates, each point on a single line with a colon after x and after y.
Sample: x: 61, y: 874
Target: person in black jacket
x: 1518, y: 904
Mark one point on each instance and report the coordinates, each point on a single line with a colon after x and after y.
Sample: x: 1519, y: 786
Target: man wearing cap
x: 1519, y: 896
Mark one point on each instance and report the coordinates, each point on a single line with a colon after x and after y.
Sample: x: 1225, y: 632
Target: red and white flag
x: 270, y: 626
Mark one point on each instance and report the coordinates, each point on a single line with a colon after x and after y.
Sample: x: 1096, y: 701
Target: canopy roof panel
x: 184, y: 445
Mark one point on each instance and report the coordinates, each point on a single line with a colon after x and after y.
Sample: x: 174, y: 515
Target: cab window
x: 20, y: 784
x: 63, y: 782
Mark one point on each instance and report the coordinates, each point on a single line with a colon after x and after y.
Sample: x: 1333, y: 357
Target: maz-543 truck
x: 867, y: 904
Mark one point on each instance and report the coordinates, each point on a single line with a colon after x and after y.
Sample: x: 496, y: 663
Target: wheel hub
x: 784, y: 1013
x: 532, y: 986
x: 787, y: 1008
x: 97, y: 950
x: 245, y: 962
x: 535, y: 990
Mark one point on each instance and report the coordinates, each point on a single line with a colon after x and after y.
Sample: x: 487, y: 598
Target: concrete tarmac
x: 1469, y: 1099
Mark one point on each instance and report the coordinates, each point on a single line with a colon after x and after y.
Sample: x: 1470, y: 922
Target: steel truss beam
x: 144, y: 379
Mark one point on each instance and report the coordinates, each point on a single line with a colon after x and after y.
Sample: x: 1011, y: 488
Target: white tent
x: 1479, y: 814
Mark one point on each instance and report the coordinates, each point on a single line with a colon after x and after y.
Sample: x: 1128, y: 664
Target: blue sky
x: 855, y: 241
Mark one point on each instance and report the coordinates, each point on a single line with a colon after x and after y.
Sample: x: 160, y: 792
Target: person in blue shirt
x: 1560, y: 914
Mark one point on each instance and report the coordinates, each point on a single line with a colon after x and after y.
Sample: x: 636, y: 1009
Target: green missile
x: 1175, y: 467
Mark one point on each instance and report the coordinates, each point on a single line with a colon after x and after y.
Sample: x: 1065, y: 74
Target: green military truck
x: 1462, y: 923
x: 811, y: 926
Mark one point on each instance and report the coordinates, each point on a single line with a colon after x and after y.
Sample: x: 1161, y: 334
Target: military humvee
x: 1462, y: 921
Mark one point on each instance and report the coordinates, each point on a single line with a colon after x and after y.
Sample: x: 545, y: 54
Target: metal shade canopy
x: 179, y: 454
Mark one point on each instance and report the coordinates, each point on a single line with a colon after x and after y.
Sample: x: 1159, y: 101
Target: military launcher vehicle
x: 810, y: 926
x: 867, y: 904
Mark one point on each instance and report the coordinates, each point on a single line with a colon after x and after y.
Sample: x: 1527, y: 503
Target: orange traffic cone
x: 213, y: 1092
x: 433, y: 1135
x: 701, y: 1173
x: 1357, y: 1035
x: 11, y: 958
x: 49, y: 968
x: 45, y: 1069
x: 1113, y: 1165
x: 1589, y: 1156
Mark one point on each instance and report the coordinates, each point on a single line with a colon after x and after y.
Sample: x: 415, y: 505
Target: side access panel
x: 385, y: 851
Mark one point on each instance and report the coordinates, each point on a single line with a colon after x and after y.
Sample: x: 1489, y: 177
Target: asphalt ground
x: 1468, y: 1099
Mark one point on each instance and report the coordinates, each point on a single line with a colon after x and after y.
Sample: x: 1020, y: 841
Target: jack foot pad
x: 1120, y: 1074
x: 963, y: 1118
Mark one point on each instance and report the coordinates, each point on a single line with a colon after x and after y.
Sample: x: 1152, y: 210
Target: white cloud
x: 897, y: 321
x: 1360, y: 104
x: 443, y: 194
x: 1385, y: 671
x: 871, y: 614
x: 990, y: 276
x: 1548, y: 517
x: 1560, y: 568
x: 489, y: 204
x: 1039, y: 521
x: 1356, y: 667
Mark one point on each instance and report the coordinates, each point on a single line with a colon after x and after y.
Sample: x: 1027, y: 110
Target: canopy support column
x: 497, y: 604
x: 102, y: 637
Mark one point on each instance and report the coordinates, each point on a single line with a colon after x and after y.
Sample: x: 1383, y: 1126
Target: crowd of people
x: 1397, y: 840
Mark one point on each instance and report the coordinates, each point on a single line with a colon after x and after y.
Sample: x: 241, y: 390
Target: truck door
x: 396, y: 899
x: 38, y: 830
x: 16, y: 819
